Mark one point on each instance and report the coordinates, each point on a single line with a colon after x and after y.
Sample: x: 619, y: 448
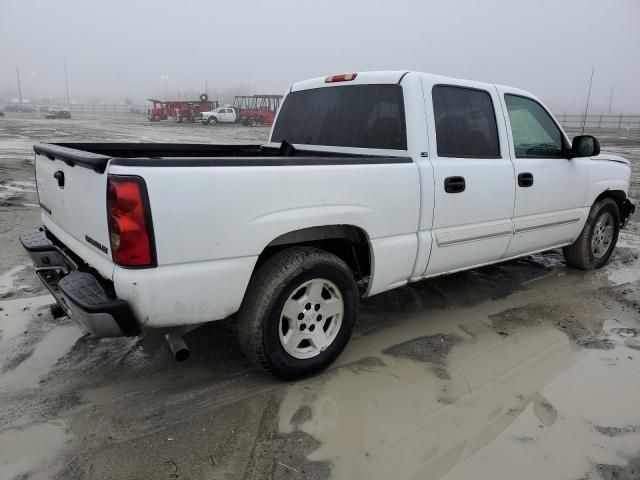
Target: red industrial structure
x: 257, y: 109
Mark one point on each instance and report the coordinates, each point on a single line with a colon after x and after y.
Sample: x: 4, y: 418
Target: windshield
x: 363, y: 116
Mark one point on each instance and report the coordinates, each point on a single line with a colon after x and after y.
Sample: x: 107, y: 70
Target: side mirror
x: 584, y: 146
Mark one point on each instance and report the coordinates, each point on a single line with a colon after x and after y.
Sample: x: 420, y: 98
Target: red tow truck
x: 180, y: 110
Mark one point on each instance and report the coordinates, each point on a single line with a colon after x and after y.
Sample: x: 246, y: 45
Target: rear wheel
x: 298, y: 312
x: 596, y: 243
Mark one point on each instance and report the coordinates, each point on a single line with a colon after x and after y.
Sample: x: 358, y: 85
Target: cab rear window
x: 363, y: 116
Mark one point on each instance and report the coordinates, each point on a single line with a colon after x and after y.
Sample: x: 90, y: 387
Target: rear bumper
x: 81, y: 293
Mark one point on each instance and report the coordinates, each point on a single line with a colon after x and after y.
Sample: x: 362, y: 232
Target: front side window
x: 465, y: 122
x: 535, y: 134
x: 363, y: 116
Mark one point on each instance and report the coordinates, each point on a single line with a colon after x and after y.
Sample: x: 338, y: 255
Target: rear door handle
x: 454, y: 184
x: 59, y: 176
x: 525, y: 179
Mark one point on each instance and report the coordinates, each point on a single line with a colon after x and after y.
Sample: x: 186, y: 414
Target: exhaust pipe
x: 177, y: 346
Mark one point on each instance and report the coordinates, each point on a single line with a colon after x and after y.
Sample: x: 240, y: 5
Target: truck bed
x: 96, y: 156
x: 214, y: 208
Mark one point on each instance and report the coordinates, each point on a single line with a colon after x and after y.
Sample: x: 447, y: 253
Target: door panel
x: 471, y: 225
x: 549, y: 209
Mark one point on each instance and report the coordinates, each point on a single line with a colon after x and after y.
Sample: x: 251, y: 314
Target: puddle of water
x: 17, y: 447
x: 6, y: 279
x: 397, y: 418
x: 589, y: 394
x: 57, y: 342
x: 16, y: 314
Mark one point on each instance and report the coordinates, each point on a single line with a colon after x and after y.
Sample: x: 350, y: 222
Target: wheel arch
x: 348, y: 242
x: 619, y: 196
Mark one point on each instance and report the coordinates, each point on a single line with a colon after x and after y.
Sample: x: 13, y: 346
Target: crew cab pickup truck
x: 219, y: 115
x: 368, y: 181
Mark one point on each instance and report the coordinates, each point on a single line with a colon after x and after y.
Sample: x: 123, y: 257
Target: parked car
x: 432, y: 176
x: 219, y: 115
x: 58, y: 112
x: 20, y: 107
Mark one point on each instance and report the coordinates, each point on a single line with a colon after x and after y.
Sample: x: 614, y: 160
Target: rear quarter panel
x: 211, y: 223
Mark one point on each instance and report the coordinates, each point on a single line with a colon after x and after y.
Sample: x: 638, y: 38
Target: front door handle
x: 525, y: 179
x: 454, y: 184
x: 59, y: 176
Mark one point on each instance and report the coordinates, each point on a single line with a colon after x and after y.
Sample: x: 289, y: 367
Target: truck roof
x: 391, y: 76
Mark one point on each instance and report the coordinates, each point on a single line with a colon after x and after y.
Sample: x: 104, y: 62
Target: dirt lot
x: 523, y: 370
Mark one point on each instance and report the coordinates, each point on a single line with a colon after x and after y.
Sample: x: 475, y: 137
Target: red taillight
x: 345, y: 77
x: 130, y: 228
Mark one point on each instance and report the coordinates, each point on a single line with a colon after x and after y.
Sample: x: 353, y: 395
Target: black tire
x: 204, y: 97
x: 212, y: 121
x: 245, y: 122
x: 270, y: 287
x: 580, y: 254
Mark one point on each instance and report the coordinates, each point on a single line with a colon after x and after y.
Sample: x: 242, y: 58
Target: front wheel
x: 212, y: 121
x: 298, y: 313
x: 596, y: 243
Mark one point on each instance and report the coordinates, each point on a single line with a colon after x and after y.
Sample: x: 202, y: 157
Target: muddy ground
x: 524, y: 370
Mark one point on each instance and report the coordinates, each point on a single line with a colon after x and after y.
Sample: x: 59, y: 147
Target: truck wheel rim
x: 311, y: 318
x: 602, y: 235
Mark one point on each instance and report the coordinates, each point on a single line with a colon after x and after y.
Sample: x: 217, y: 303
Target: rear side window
x: 465, y: 122
x: 363, y: 116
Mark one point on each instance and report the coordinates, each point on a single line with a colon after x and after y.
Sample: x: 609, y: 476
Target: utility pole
x: 19, y: 86
x: 165, y: 78
x: 611, y: 99
x: 584, y: 120
x: 206, y: 88
x: 66, y: 79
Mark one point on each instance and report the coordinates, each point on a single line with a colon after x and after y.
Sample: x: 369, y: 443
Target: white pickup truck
x: 219, y: 115
x: 368, y: 181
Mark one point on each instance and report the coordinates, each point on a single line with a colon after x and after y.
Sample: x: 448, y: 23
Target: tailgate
x: 72, y: 190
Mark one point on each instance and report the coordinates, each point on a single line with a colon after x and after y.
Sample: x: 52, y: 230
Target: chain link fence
x: 616, y: 122
x: 104, y: 108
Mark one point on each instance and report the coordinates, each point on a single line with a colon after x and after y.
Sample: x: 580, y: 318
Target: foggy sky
x: 116, y: 49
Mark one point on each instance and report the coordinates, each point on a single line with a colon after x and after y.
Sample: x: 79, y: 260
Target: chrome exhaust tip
x: 178, y: 347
